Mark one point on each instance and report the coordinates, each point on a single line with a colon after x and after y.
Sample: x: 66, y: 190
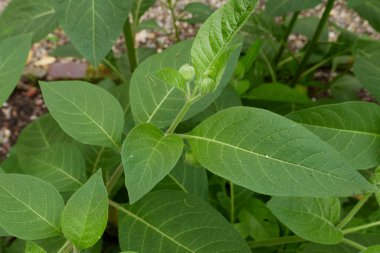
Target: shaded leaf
x: 187, y: 178
x: 30, y: 208
x: 277, y: 92
x: 367, y: 68
x: 92, y: 25
x: 310, y: 218
x: 179, y: 223
x: 148, y: 156
x: 28, y: 16
x: 368, y: 9
x: 85, y: 215
x: 62, y: 165
x: 261, y: 223
x: 13, y: 53
x: 86, y: 112
x: 139, y: 7
x: 199, y: 12
x: 352, y: 128
x: 32, y: 247
x: 270, y: 154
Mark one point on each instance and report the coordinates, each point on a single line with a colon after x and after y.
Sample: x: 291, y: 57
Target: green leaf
x: 27, y: 16
x: 32, y: 247
x: 187, y: 178
x: 277, y: 92
x: 367, y: 68
x: 368, y: 9
x: 308, y: 25
x: 148, y: 156
x: 62, y: 165
x: 282, y: 7
x: 92, y: 25
x: 310, y: 218
x: 212, y: 46
x: 100, y: 158
x: 345, y: 88
x: 158, y: 103
x: 13, y: 53
x: 171, y: 77
x: 270, y: 154
x: 372, y: 249
x: 86, y: 112
x: 261, y: 222
x: 176, y: 222
x: 85, y: 215
x: 352, y: 128
x: 30, y: 208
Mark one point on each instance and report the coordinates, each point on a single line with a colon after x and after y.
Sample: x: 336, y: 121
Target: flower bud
x: 187, y: 72
x: 207, y: 86
x: 190, y: 159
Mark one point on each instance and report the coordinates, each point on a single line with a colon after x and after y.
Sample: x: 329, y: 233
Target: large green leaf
x: 86, y: 112
x: 367, y: 68
x: 282, y: 7
x: 30, y: 208
x: 148, y: 155
x: 158, y: 103
x: 27, y: 16
x: 62, y: 165
x: 372, y: 249
x: 352, y: 128
x: 100, y: 158
x: 176, y: 222
x: 13, y: 53
x: 212, y: 46
x: 368, y: 9
x: 187, y: 178
x: 270, y: 154
x: 85, y: 215
x: 310, y: 218
x: 92, y: 25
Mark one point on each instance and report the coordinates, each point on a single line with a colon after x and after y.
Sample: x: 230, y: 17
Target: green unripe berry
x: 187, y: 72
x: 207, y: 86
x: 190, y: 159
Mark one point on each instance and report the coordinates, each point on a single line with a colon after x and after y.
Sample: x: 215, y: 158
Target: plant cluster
x: 228, y: 142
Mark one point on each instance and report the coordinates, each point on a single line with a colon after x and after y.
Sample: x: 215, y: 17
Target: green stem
x: 314, y: 40
x: 353, y: 244
x: 114, y: 178
x: 270, y: 68
x: 174, y: 19
x: 359, y: 228
x: 64, y: 247
x: 289, y: 29
x: 179, y: 117
x: 76, y: 250
x: 275, y: 241
x: 130, y: 44
x: 115, y: 70
x: 232, y: 198
x: 353, y: 211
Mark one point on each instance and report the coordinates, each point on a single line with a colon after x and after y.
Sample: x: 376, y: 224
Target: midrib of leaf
x: 88, y: 116
x: 46, y: 13
x: 44, y: 137
x: 160, y: 104
x: 261, y: 155
x: 31, y: 209
x: 61, y: 171
x: 88, y: 210
x: 342, y: 130
x: 153, y: 228
x: 241, y: 22
x: 97, y: 160
x: 178, y: 183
